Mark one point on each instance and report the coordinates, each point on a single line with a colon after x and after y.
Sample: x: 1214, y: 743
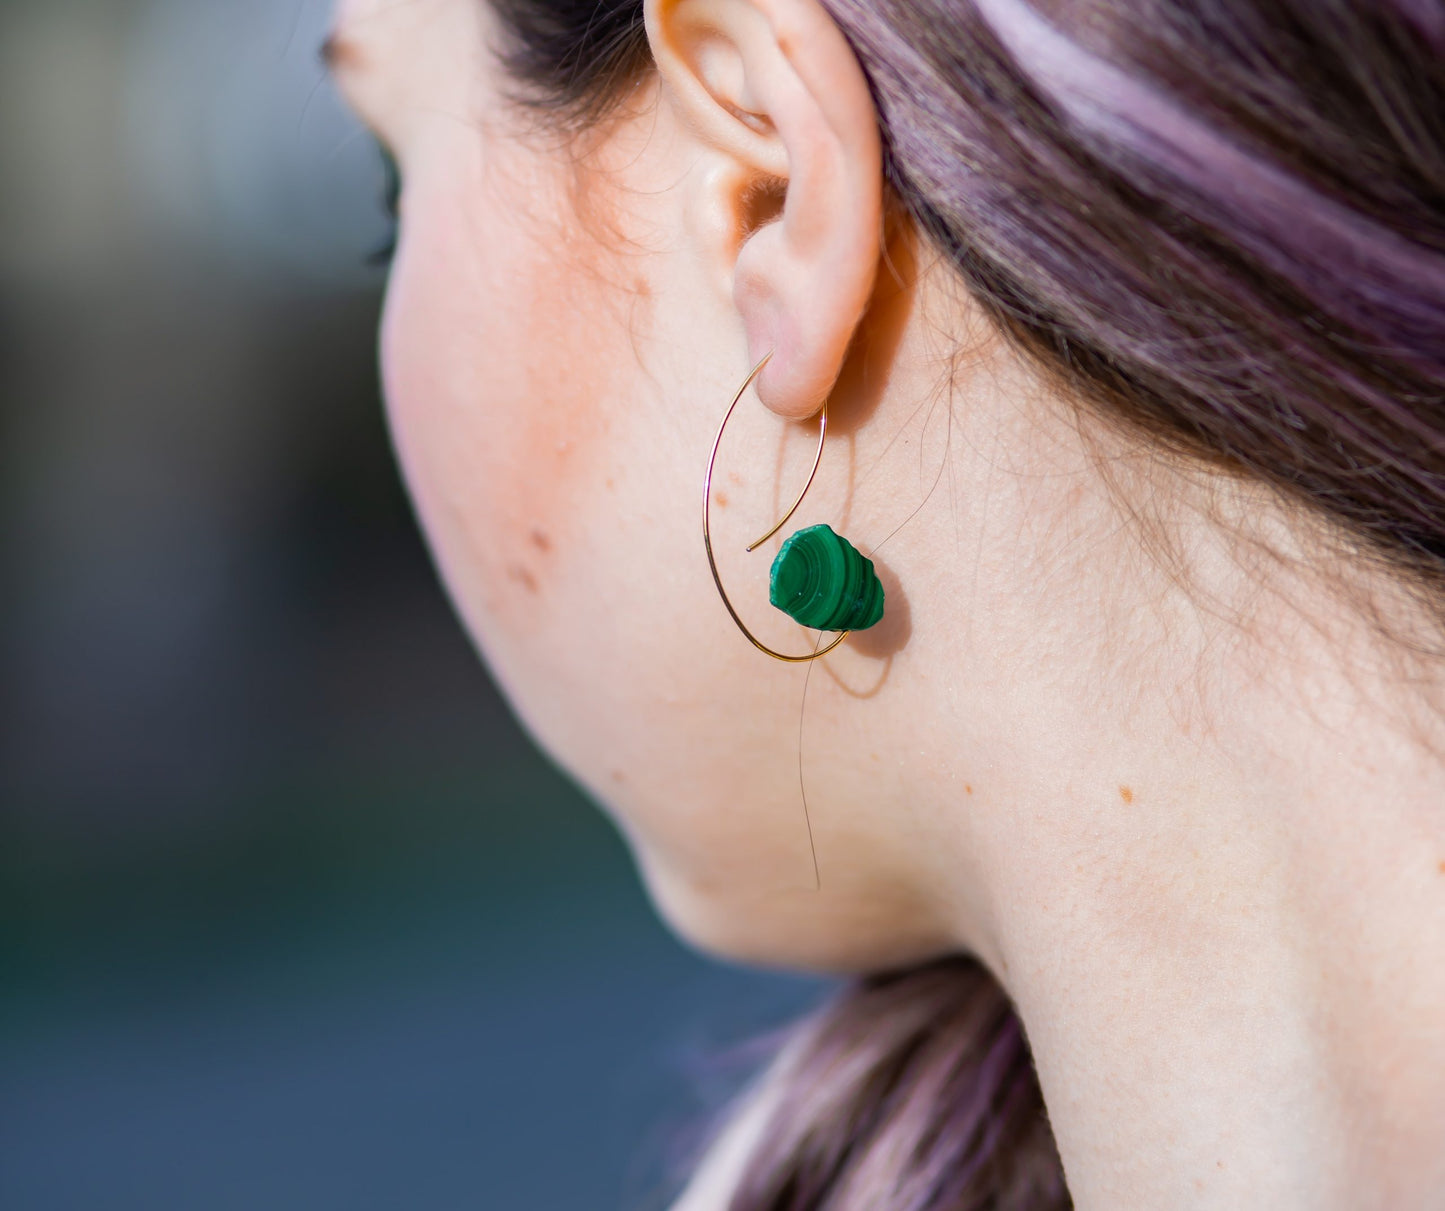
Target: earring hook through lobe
x: 707, y: 523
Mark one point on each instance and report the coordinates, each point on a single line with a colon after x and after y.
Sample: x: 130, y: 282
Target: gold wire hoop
x: 707, y: 523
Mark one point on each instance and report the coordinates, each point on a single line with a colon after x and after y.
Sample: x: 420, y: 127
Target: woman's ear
x: 773, y: 88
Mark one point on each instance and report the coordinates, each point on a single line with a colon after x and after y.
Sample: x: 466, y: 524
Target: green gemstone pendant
x: 821, y: 580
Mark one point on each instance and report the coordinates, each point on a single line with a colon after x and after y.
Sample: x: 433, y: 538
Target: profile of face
x: 570, y: 314
x: 559, y: 344
x: 1125, y: 775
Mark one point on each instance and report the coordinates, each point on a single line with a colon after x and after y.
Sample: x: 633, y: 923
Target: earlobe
x: 774, y: 88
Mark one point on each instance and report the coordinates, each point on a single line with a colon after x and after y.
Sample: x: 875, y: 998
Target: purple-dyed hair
x: 910, y: 1091
x: 1219, y: 224
x: 1222, y: 223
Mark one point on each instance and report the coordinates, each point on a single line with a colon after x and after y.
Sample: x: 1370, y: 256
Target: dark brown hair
x: 1220, y: 224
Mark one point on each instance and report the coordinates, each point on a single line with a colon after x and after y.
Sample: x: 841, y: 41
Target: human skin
x: 1122, y: 733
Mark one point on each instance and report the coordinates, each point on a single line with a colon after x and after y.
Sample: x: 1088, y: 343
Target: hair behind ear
x: 910, y: 1091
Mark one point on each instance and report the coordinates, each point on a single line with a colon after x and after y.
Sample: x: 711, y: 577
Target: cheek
x: 512, y: 392
x: 555, y: 513
x: 492, y: 383
x: 558, y: 490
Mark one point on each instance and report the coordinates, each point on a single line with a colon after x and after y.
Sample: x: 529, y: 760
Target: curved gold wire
x: 707, y: 524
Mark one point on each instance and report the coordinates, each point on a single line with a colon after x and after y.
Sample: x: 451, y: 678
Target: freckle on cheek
x: 720, y: 499
x: 523, y: 576
x: 1126, y: 794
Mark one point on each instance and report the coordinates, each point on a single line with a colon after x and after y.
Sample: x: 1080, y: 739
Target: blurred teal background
x: 291, y: 913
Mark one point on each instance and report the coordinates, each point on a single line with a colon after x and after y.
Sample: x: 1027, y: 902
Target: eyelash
x: 390, y: 204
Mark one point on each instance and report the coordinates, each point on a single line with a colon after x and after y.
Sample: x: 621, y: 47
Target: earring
x: 819, y: 578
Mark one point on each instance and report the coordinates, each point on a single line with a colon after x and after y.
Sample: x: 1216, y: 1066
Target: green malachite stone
x: 822, y: 580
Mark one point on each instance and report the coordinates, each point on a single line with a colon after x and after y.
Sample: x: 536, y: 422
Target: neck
x: 1229, y: 955
x: 1174, y: 797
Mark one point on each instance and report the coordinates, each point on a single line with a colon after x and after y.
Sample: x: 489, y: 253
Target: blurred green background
x: 292, y: 915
